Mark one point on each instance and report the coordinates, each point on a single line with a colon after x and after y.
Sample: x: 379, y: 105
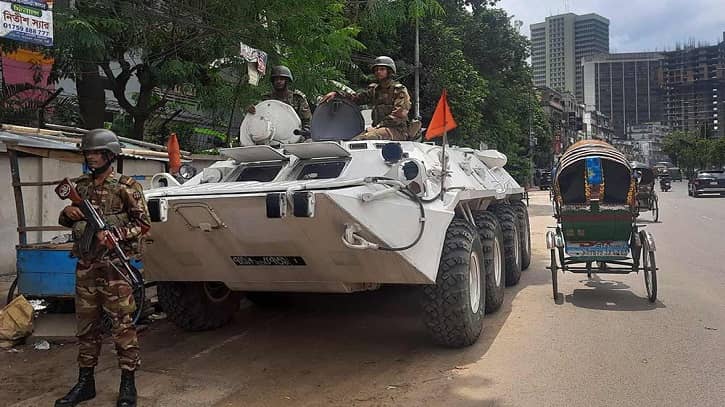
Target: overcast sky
x: 635, y: 25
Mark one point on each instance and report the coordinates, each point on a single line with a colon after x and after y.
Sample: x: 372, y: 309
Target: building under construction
x: 694, y: 79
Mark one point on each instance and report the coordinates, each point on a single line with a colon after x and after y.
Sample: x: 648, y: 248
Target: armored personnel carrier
x: 334, y: 215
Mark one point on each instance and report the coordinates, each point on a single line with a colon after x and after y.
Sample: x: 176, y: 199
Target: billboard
x: 27, y: 21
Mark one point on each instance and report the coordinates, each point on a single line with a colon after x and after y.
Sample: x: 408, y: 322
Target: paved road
x: 603, y: 345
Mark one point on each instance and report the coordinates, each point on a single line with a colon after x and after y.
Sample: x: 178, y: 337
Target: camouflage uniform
x: 298, y: 101
x: 99, y: 287
x: 390, y: 102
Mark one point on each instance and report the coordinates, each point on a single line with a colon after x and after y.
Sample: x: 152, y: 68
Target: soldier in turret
x: 389, y: 100
x: 281, y: 78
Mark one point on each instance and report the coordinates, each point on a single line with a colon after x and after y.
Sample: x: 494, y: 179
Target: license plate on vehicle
x: 619, y: 248
x: 713, y: 182
x: 268, y: 260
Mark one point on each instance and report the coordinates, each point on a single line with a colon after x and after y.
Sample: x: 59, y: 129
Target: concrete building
x: 626, y: 87
x: 644, y: 143
x: 559, y: 43
x: 694, y: 80
x: 596, y: 125
x: 564, y: 115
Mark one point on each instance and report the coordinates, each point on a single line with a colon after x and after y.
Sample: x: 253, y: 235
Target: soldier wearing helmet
x: 281, y: 78
x: 99, y: 288
x: 389, y: 100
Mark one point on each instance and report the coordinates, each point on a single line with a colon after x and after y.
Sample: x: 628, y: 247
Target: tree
x: 169, y: 47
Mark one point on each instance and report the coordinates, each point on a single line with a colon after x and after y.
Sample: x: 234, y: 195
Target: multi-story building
x: 626, y: 87
x: 694, y: 80
x: 597, y: 125
x: 565, y: 117
x: 559, y: 43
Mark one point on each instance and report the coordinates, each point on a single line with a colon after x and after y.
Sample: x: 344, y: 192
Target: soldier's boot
x: 84, y: 390
x: 127, y: 390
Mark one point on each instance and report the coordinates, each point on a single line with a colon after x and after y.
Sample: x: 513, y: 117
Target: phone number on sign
x: 28, y: 30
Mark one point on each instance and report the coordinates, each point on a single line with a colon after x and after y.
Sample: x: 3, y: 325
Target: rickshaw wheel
x: 554, y: 276
x: 650, y: 272
x: 656, y: 209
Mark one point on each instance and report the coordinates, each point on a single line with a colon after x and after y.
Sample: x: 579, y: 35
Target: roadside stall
x: 43, y: 263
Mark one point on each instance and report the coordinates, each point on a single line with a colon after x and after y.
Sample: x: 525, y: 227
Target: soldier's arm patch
x: 137, y: 195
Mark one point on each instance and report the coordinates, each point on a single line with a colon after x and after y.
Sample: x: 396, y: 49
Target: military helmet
x: 101, y: 139
x: 386, y: 62
x: 283, y: 71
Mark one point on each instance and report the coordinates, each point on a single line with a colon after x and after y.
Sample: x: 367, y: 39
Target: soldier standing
x: 99, y: 287
x: 390, y: 102
x: 281, y: 78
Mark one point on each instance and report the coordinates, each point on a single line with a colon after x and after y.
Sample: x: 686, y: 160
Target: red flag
x: 172, y: 146
x: 442, y: 120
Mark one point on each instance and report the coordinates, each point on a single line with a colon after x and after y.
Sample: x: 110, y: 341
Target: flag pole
x: 445, y: 141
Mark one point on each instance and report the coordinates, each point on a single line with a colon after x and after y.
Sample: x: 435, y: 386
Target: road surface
x: 603, y: 345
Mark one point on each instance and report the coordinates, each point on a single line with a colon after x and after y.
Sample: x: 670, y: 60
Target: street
x: 604, y: 344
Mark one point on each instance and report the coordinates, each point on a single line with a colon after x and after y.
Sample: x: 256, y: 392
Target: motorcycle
x: 665, y: 184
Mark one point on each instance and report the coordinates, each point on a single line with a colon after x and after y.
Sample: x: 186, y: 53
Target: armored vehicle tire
x: 198, y: 306
x: 522, y: 214
x: 511, y: 243
x: 491, y: 236
x: 454, y: 307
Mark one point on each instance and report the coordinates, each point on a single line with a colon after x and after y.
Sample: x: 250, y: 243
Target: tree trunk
x: 91, y: 96
x: 143, y: 106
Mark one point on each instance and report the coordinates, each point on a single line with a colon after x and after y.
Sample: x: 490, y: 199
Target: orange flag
x: 442, y: 120
x: 172, y: 146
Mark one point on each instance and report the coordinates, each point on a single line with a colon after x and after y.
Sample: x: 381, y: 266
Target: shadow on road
x: 610, y: 299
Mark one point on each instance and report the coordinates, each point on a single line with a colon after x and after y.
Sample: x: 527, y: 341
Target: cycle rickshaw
x: 596, y: 210
x: 646, y: 196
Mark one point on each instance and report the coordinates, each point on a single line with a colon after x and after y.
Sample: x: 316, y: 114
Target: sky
x: 634, y: 25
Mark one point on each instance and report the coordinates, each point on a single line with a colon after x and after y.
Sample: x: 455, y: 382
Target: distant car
x: 675, y: 173
x: 707, y: 182
x: 545, y: 180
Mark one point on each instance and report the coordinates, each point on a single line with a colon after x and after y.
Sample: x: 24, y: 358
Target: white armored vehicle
x: 339, y: 216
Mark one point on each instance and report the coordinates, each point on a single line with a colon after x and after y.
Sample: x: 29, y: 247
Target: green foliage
x: 468, y: 47
x: 690, y: 151
x: 170, y: 45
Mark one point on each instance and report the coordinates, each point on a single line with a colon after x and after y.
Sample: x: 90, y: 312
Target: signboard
x: 27, y: 21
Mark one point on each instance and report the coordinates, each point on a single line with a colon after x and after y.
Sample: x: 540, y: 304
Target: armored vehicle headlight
x: 392, y: 153
x: 410, y: 170
x: 413, y: 174
x: 187, y: 172
x: 211, y: 175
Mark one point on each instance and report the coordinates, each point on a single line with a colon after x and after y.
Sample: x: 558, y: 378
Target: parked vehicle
x: 544, y: 180
x: 341, y: 216
x: 596, y: 212
x: 675, y: 174
x: 707, y: 182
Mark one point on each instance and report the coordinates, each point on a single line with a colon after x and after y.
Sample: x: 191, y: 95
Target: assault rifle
x: 95, y: 224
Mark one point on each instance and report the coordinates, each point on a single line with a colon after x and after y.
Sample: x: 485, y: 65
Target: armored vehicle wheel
x: 512, y: 244
x: 198, y: 306
x: 454, y: 306
x: 522, y: 214
x: 489, y: 231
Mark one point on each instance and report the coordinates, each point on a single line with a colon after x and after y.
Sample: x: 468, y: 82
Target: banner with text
x: 26, y: 21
